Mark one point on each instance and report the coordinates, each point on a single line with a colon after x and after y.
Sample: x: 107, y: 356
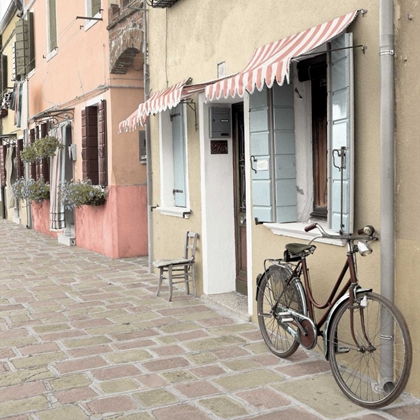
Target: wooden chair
x: 181, y: 268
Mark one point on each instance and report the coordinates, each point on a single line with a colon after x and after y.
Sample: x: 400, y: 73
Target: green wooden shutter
x: 102, y: 153
x: 52, y: 22
x: 342, y: 134
x: 179, y: 158
x: 284, y: 152
x: 21, y: 48
x: 90, y: 144
x: 31, y: 42
x: 260, y: 139
x: 96, y: 6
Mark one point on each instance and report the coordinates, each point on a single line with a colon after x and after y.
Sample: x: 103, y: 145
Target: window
x: 302, y: 166
x: 93, y: 9
x: 24, y: 59
x: 51, y: 26
x: 173, y: 158
x: 94, y: 147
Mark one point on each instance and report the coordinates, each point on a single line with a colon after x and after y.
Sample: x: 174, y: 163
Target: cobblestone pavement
x: 83, y: 336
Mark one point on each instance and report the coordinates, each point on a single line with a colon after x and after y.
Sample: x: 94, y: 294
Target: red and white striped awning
x: 272, y: 62
x: 161, y: 101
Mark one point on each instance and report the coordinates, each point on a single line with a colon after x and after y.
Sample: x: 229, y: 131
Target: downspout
x: 148, y: 146
x: 387, y: 125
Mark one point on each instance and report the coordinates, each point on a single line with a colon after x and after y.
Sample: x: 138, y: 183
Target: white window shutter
x: 342, y: 135
x: 262, y: 195
x: 179, y: 159
x: 285, y: 153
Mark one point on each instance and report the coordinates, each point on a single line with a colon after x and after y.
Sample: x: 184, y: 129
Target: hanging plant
x: 31, y: 190
x: 41, y: 148
x: 80, y: 193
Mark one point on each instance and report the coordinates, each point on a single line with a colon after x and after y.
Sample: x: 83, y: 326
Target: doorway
x: 239, y: 188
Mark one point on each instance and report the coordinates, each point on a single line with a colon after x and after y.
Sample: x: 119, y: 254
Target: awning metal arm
x: 363, y: 48
x: 191, y: 104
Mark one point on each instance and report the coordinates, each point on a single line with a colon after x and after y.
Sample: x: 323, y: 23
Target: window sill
x: 183, y: 212
x: 296, y: 230
x: 52, y: 54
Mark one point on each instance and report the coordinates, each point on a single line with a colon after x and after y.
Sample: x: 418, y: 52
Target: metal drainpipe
x: 386, y: 52
x: 148, y: 147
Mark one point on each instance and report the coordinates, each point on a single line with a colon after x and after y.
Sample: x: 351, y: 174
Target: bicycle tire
x: 271, y: 289
x: 373, y: 374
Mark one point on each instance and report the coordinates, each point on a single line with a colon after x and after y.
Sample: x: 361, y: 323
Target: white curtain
x: 11, y: 202
x: 57, y: 175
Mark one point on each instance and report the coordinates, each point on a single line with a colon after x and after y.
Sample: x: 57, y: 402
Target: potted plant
x: 41, y: 148
x: 31, y: 190
x: 75, y: 194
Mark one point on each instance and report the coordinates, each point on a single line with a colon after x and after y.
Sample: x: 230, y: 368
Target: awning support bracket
x: 361, y: 46
x: 192, y: 105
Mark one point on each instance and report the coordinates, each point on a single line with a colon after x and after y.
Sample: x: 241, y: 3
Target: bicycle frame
x: 348, y: 291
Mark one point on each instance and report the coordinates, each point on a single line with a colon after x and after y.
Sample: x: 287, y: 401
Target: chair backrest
x: 190, y: 245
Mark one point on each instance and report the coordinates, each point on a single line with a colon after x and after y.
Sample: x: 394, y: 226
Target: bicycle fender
x: 326, y: 331
x: 259, y: 278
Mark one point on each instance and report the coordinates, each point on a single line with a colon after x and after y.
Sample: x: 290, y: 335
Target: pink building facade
x: 84, y: 73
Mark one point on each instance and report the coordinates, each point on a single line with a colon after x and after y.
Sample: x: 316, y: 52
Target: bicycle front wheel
x: 371, y: 362
x: 272, y: 290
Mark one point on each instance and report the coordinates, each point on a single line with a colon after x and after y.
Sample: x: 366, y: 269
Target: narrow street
x: 83, y: 336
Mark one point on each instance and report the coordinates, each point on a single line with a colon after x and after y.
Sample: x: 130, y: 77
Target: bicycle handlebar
x: 366, y: 233
x: 310, y: 227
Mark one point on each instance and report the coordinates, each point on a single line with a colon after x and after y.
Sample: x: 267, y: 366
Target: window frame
x: 89, y: 13
x: 304, y: 154
x: 166, y: 157
x: 52, y: 44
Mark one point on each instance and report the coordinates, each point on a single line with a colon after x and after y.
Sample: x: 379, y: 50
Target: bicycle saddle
x: 297, y: 249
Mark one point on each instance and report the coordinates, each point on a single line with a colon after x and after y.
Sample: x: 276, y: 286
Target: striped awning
x: 161, y: 101
x: 272, y: 62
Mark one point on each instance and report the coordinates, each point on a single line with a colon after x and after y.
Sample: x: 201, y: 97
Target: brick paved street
x: 83, y: 336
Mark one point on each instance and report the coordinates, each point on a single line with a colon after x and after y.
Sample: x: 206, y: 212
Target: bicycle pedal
x: 342, y: 349
x: 285, y: 317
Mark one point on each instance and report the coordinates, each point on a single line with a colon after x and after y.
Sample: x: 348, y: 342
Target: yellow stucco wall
x: 200, y: 36
x: 8, y: 122
x: 407, y: 174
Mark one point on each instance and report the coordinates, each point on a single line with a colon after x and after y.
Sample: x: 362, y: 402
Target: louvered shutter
x: 31, y: 42
x: 284, y: 153
x: 21, y: 48
x: 90, y: 144
x: 260, y: 138
x: 19, y: 163
x: 342, y: 133
x: 32, y: 166
x: 52, y: 21
x: 179, y: 161
x: 44, y: 163
x: 3, y: 73
x: 102, y: 150
x: 96, y: 6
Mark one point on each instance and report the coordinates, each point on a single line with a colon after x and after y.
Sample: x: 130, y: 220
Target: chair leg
x: 193, y: 279
x: 170, y: 282
x: 186, y: 280
x: 160, y: 281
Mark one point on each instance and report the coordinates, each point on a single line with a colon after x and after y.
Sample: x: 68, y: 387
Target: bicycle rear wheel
x: 374, y: 373
x: 272, y: 290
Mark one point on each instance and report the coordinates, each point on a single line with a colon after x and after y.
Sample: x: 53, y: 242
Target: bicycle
x: 365, y: 336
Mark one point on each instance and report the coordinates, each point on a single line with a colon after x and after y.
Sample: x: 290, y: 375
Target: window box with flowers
x: 42, y: 148
x: 31, y: 190
x: 75, y: 194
